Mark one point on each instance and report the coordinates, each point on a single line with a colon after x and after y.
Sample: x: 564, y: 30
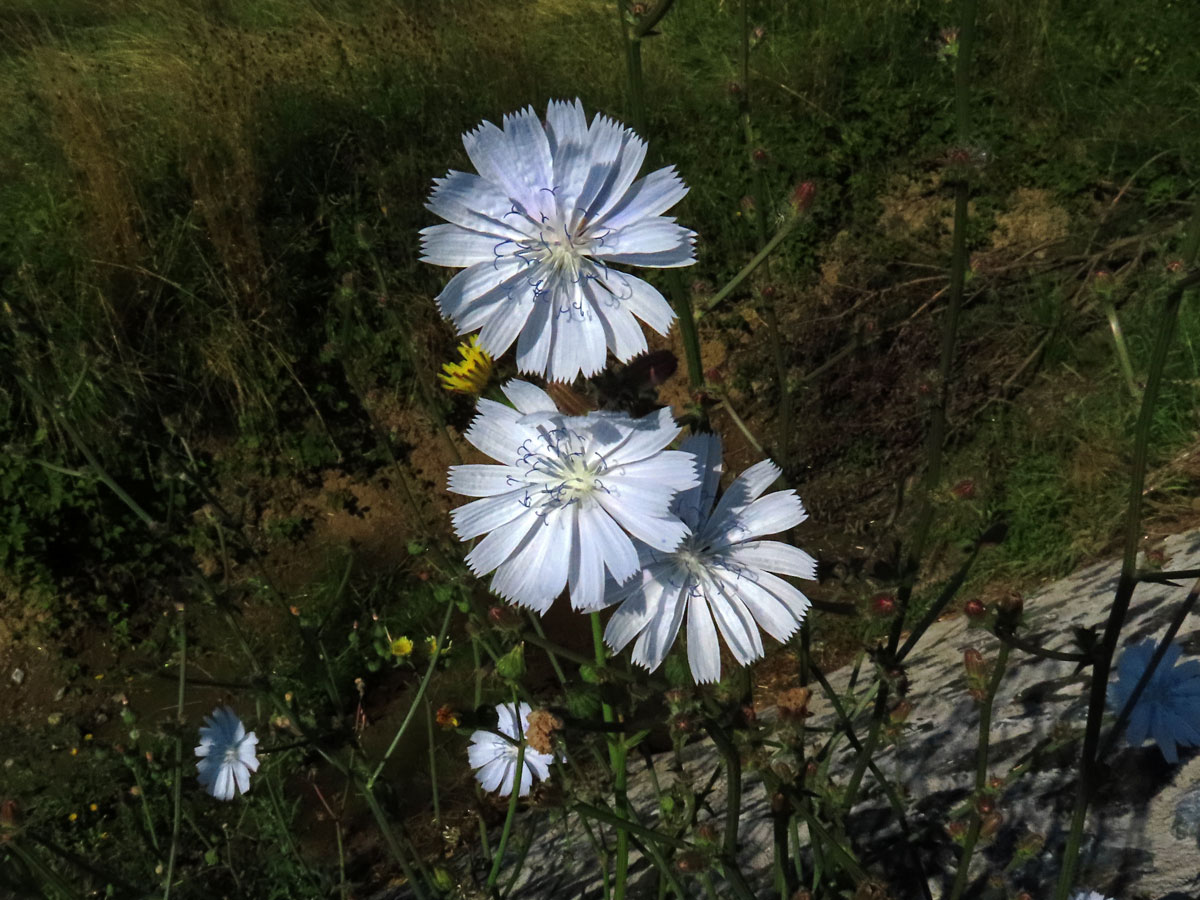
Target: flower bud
x: 990, y: 824
x: 707, y: 833
x: 975, y: 609
x: 985, y: 804
x: 1012, y: 604
x: 760, y: 155
x: 900, y: 712
x: 883, y: 604
x: 691, y: 861
x: 956, y: 829
x: 511, y: 666
x: 779, y: 803
x: 975, y: 664
x: 802, y: 196
x: 446, y: 717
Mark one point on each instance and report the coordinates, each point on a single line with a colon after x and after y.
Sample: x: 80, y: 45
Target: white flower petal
x: 638, y: 599
x: 775, y: 556
x: 616, y: 549
x: 704, y: 653
x: 579, y: 344
x: 537, y: 573
x: 497, y: 431
x: 586, y: 573
x: 500, y: 544
x: 493, y: 774
x: 747, y: 488
x: 661, y: 630
x: 641, y: 298
x: 537, y: 337
x: 565, y: 125
x: 486, y: 514
x: 656, y: 243
x: 777, y: 606
x: 772, y: 514
x: 694, y: 504
x: 480, y: 286
x: 646, y: 198
x: 734, y: 620
x: 499, y: 324
x: 622, y: 333
x: 465, y: 199
x: 500, y: 157
x: 453, y: 245
x: 484, y: 480
x: 484, y: 748
x: 630, y: 154
x: 638, y: 439
x: 527, y: 398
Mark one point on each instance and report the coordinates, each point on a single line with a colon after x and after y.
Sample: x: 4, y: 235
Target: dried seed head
x: 540, y: 732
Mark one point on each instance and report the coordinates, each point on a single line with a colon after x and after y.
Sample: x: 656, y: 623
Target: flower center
x: 231, y: 755
x: 561, y: 470
x: 562, y: 252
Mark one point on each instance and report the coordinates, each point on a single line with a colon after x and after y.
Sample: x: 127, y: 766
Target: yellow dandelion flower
x: 402, y: 646
x: 93, y: 807
x: 471, y: 375
x: 88, y: 736
x: 72, y: 817
x: 74, y: 751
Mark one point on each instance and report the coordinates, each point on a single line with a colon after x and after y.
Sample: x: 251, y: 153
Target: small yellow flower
x: 402, y: 647
x: 471, y: 375
x: 72, y: 817
x: 88, y: 736
x: 431, y: 644
x: 93, y: 807
x: 74, y: 751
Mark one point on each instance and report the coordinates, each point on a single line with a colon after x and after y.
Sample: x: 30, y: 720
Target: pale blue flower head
x: 568, y: 493
x: 494, y: 759
x: 536, y: 232
x: 1169, y: 708
x: 227, y: 754
x: 721, y: 571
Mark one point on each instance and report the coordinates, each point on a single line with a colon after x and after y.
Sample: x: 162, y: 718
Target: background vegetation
x: 219, y: 348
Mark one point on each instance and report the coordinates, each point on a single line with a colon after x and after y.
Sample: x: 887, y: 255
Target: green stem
x: 1088, y: 768
x: 178, y: 786
x: 1160, y: 651
x: 784, y: 230
x: 393, y: 844
x: 1114, y: 325
x: 412, y: 709
x: 513, y: 798
x: 433, y: 782
x: 981, y: 764
x: 616, y: 760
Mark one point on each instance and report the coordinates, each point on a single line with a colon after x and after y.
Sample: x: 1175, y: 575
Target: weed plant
x: 212, y: 311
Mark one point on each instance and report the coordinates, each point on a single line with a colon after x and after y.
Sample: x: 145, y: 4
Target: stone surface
x: 1142, y: 837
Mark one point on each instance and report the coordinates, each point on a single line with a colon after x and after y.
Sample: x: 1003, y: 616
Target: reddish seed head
x: 957, y: 829
x: 760, y: 155
x: 1175, y: 265
x: 975, y: 609
x: 985, y: 805
x: 964, y: 490
x: 707, y: 833
x: 883, y: 604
